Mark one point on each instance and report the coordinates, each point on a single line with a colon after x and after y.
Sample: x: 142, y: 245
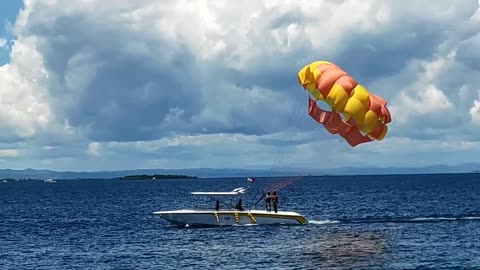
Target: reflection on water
x: 347, y: 249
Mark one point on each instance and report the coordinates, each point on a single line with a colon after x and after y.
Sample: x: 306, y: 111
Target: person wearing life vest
x: 275, y: 201
x: 268, y: 201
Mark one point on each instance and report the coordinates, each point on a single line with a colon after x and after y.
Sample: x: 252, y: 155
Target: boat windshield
x: 225, y: 200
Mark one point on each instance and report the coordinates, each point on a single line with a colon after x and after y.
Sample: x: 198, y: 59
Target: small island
x: 156, y: 176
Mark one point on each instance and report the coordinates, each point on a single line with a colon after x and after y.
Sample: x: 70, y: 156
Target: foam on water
x: 323, y: 222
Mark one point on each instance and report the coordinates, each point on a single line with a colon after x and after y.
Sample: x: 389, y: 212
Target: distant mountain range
x: 206, y: 172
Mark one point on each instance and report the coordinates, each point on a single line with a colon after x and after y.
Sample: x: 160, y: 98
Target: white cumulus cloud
x: 121, y: 76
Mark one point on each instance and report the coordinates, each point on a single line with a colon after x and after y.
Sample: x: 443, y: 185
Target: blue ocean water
x: 356, y: 222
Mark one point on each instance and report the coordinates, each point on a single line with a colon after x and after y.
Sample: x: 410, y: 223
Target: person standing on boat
x: 268, y: 201
x: 217, y: 205
x: 275, y: 201
x: 239, y: 205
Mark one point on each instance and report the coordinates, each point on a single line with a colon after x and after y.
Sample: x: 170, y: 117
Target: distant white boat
x: 229, y: 216
x: 50, y: 180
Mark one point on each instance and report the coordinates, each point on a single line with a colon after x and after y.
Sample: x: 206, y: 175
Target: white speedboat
x: 229, y: 216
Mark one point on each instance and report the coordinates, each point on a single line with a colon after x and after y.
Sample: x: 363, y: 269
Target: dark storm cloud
x: 130, y: 93
x: 370, y: 56
x: 468, y: 52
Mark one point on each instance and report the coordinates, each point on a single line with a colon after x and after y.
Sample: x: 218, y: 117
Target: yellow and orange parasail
x: 356, y: 114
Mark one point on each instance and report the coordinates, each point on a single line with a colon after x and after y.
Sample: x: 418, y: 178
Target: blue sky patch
x: 8, y: 14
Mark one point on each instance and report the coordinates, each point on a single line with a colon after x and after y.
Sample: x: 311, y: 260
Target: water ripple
x: 384, y: 222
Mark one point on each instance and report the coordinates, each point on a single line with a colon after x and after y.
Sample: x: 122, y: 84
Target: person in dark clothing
x: 275, y: 201
x: 239, y: 205
x: 217, y: 205
x: 268, y: 201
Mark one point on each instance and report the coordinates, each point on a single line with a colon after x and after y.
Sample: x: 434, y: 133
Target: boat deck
x: 225, y: 211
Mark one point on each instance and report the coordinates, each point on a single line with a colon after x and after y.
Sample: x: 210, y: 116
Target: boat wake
x: 434, y: 219
x: 244, y: 225
x: 323, y: 222
x: 430, y: 219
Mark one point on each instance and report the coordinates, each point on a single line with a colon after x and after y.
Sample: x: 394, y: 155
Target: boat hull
x: 230, y: 217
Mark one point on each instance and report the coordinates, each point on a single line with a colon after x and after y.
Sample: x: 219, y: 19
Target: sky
x: 92, y: 85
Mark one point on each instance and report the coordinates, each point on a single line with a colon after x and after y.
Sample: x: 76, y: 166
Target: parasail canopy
x: 356, y: 114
